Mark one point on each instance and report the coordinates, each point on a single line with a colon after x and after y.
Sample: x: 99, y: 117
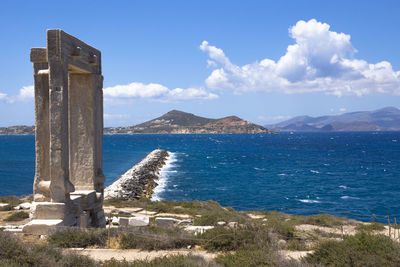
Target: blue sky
x: 263, y: 61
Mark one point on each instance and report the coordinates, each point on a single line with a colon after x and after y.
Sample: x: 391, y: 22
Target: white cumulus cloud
x: 156, y: 91
x: 3, y: 96
x: 320, y: 60
x: 26, y: 93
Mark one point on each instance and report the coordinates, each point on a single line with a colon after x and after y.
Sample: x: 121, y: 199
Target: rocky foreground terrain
x: 197, y: 233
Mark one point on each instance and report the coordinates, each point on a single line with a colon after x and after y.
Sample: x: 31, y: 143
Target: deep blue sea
x: 345, y: 174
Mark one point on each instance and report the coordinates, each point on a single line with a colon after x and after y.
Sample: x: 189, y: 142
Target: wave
x: 309, y: 201
x: 343, y: 186
x: 165, y: 172
x: 314, y: 171
x: 349, y: 197
x: 260, y: 169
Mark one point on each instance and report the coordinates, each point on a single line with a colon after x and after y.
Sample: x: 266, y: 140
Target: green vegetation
x: 321, y: 220
x: 370, y: 227
x: 13, y: 252
x: 251, y: 236
x: 245, y: 258
x: 170, y: 261
x: 249, y: 242
x: 155, y: 238
x: 17, y: 216
x: 78, y: 238
x: 362, y: 249
x: 188, y: 207
x: 211, y: 212
x: 12, y: 201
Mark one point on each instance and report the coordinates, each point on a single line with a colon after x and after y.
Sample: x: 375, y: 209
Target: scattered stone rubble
x: 140, y: 180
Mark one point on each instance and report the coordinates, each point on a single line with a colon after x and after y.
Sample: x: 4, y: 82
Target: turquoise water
x: 346, y: 174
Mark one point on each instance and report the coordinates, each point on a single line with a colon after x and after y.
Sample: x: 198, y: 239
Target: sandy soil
x: 347, y: 229
x: 294, y: 255
x: 136, y: 254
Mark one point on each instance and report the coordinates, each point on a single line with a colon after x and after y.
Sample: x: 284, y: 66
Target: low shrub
x: 155, y: 238
x: 285, y: 229
x: 362, y: 249
x: 187, y: 207
x: 17, y: 216
x: 168, y: 261
x: 370, y: 227
x: 13, y: 252
x: 256, y: 258
x: 321, y: 220
x: 245, y: 257
x: 296, y: 244
x: 6, y: 208
x: 11, y: 200
x: 78, y: 238
x: 229, y: 239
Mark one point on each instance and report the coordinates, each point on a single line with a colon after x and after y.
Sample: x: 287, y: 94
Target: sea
x: 349, y: 174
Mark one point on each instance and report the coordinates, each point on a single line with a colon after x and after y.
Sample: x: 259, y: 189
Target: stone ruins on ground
x: 69, y: 181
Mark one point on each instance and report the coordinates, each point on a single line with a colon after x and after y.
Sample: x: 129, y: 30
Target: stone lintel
x: 62, y: 46
x: 39, y: 55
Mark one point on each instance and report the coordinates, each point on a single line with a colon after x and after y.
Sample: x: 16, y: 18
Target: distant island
x: 385, y: 119
x: 179, y: 122
x: 175, y: 122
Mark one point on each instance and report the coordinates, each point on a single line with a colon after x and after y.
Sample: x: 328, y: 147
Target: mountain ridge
x: 384, y: 119
x: 176, y: 122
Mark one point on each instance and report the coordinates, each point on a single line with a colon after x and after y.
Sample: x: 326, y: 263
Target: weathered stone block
x: 139, y: 221
x: 198, y: 229
x: 48, y: 210
x: 123, y: 221
x: 40, y: 227
x: 166, y: 222
x: 88, y: 198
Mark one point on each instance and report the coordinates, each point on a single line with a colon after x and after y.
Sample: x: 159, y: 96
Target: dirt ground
x: 136, y: 254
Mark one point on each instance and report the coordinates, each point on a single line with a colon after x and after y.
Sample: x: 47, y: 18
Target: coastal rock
x: 123, y: 221
x: 198, y: 229
x: 139, y: 221
x: 139, y: 181
x: 124, y: 212
x: 25, y: 205
x: 232, y: 224
x: 185, y: 222
x: 166, y: 222
x: 115, y: 221
x: 281, y: 243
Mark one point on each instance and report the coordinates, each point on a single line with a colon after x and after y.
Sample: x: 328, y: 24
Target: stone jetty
x: 140, y: 180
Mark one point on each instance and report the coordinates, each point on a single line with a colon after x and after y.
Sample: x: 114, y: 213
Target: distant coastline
x: 173, y: 122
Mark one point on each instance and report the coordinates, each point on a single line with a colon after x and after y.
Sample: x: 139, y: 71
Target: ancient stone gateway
x: 69, y: 181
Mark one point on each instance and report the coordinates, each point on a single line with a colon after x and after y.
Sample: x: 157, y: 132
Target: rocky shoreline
x: 139, y: 181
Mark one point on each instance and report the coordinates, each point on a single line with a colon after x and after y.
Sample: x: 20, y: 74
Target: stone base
x: 48, y: 210
x: 41, y: 227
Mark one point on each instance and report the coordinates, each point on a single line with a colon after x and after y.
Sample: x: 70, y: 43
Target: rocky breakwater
x: 140, y: 180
